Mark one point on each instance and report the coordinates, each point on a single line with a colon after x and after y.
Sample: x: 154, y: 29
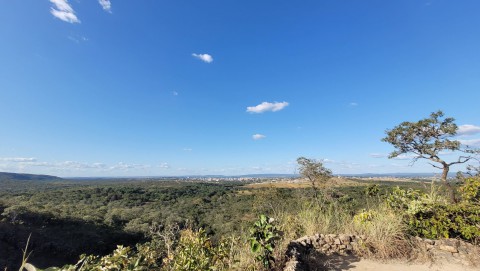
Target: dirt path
x: 368, y: 265
x: 352, y: 263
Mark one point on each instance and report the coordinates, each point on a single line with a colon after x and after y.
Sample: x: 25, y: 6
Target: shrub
x: 447, y: 221
x: 195, y: 251
x: 470, y: 190
x: 264, y: 236
x: 430, y: 216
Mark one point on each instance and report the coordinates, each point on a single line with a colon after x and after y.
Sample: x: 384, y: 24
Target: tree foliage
x: 314, y: 171
x: 427, y: 139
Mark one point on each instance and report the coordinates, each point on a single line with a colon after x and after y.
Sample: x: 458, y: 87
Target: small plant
x: 195, y: 251
x: 364, y: 217
x: 372, y: 190
x: 264, y: 236
x: 25, y: 265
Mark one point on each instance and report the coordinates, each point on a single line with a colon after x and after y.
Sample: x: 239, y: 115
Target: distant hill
x: 7, y: 176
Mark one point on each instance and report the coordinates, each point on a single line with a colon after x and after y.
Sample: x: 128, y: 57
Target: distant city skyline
x: 168, y: 88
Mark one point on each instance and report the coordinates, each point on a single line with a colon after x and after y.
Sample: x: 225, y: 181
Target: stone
x: 450, y: 242
x: 344, y: 238
x: 429, y: 242
x: 448, y: 248
x: 337, y: 241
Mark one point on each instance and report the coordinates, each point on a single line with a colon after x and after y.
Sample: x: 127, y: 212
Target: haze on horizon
x: 168, y: 88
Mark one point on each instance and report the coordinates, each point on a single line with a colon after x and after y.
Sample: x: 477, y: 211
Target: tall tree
x: 427, y: 139
x: 314, y: 172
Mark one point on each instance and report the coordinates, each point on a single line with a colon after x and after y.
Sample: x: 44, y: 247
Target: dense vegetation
x: 168, y: 219
x: 67, y: 219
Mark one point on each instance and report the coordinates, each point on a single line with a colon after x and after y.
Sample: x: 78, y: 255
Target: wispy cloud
x: 174, y: 93
x: 187, y: 149
x: 471, y: 142
x: 63, y: 11
x: 405, y: 157
x: 126, y: 166
x: 72, y: 165
x: 18, y: 159
x: 204, y: 57
x: 400, y: 157
x: 266, y: 106
x: 106, y: 5
x: 164, y: 165
x: 77, y: 39
x: 353, y: 104
x: 258, y: 136
x: 378, y: 155
x: 468, y: 129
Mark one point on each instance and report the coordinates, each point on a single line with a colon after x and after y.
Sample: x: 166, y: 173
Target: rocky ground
x: 338, y: 252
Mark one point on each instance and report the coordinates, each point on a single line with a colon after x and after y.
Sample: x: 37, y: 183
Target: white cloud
x: 164, y: 165
x: 125, y: 166
x: 258, y: 136
x: 471, y: 142
x: 18, y: 159
x: 63, y: 11
x: 266, y: 106
x: 106, y: 5
x: 204, y: 57
x: 353, y: 104
x: 187, y: 149
x: 468, y: 129
x: 405, y: 157
x: 378, y: 155
x: 174, y: 93
x: 68, y: 165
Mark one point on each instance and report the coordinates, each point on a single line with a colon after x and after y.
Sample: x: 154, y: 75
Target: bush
x: 430, y: 216
x: 447, y: 221
x: 195, y: 251
x: 470, y: 190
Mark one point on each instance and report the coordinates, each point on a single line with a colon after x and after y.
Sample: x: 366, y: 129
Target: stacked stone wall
x: 344, y: 244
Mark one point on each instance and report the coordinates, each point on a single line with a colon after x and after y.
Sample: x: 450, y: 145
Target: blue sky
x: 142, y: 88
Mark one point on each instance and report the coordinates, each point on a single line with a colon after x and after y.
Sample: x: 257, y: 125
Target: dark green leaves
x: 263, y: 238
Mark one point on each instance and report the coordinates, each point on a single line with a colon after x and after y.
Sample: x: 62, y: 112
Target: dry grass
x: 385, y: 236
x: 293, y: 184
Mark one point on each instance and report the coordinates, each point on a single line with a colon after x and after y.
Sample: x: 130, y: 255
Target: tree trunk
x: 450, y: 189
